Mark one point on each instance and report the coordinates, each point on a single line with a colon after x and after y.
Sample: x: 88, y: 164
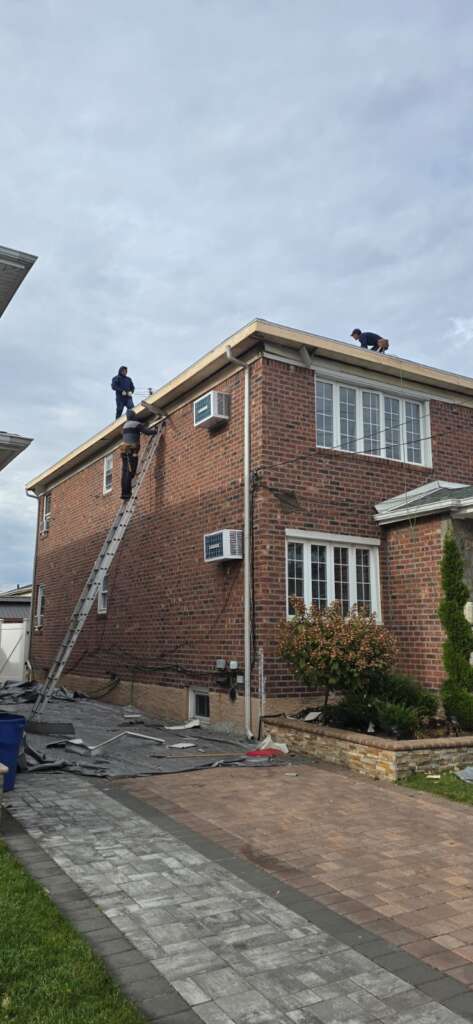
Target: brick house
x: 356, y: 463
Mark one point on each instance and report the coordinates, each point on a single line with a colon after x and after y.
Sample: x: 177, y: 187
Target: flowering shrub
x: 330, y: 650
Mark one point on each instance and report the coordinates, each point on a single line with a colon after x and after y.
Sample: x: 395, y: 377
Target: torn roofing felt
x: 127, y: 742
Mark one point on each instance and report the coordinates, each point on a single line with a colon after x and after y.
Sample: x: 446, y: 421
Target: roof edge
x: 257, y: 330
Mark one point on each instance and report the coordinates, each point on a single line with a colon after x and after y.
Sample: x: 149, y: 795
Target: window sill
x: 374, y: 455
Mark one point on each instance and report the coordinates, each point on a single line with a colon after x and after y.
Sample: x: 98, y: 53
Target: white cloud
x: 182, y: 168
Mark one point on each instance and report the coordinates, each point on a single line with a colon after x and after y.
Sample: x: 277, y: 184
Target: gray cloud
x: 181, y: 168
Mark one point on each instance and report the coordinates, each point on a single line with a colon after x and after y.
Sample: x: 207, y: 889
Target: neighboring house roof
x: 18, y: 593
x: 264, y: 334
x: 14, y: 266
x: 16, y: 604
x: 430, y: 499
x: 11, y: 445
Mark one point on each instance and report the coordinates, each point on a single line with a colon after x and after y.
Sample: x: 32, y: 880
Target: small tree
x: 330, y: 650
x: 457, y: 691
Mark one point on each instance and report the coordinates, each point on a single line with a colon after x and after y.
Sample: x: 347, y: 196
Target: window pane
x: 348, y: 419
x: 202, y: 705
x: 393, y: 430
x: 319, y: 575
x: 363, y: 585
x: 295, y: 573
x: 341, y: 579
x: 413, y: 442
x: 324, y: 410
x: 371, y: 432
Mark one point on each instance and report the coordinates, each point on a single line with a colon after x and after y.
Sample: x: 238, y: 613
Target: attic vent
x: 211, y: 409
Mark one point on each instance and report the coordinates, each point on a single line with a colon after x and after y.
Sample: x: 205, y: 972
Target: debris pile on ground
x: 89, y: 737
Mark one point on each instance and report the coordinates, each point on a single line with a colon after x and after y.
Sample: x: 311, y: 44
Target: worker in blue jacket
x: 123, y: 387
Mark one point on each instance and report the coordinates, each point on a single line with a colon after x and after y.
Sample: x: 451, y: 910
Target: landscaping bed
x: 48, y: 974
x: 375, y: 756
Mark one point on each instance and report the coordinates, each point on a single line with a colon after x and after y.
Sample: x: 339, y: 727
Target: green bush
x: 397, y: 720
x: 457, y: 691
x: 401, y: 689
x: 458, y: 704
x: 353, y: 712
x: 395, y: 704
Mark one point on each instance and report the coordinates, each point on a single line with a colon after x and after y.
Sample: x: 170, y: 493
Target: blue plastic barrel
x: 11, y: 732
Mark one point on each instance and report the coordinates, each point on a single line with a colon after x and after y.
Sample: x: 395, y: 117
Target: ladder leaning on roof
x: 96, y: 576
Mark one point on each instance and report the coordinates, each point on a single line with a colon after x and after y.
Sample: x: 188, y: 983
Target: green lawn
x: 48, y: 974
x: 448, y: 785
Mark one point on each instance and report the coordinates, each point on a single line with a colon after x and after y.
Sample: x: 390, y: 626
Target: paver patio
x: 219, y: 945
x: 396, y: 861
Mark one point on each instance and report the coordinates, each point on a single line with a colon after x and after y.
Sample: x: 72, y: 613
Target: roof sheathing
x: 256, y: 332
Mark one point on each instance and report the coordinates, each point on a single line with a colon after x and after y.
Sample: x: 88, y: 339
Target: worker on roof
x: 132, y: 430
x: 368, y: 339
x: 123, y: 387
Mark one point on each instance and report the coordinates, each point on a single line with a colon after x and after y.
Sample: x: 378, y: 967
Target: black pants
x: 129, y: 467
x: 123, y: 402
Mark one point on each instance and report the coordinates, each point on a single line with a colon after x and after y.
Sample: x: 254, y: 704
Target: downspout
x: 247, y: 565
x: 31, y: 494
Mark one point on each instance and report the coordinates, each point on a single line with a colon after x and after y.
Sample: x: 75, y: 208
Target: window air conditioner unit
x: 211, y: 409
x: 223, y: 545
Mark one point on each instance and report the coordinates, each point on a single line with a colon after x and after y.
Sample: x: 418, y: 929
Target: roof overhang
x: 257, y: 334
x: 14, y: 266
x: 11, y: 445
x: 421, y: 501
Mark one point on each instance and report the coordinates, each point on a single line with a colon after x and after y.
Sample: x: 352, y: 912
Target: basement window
x: 322, y: 568
x: 102, y: 597
x: 107, y: 474
x: 199, y: 704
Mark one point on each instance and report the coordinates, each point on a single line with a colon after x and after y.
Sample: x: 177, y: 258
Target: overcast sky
x: 181, y: 167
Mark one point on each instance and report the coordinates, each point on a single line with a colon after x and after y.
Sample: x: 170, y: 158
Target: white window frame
x: 40, y: 603
x: 193, y: 692
x: 108, y: 468
x: 331, y: 541
x: 102, y: 596
x: 359, y: 387
x: 46, y: 512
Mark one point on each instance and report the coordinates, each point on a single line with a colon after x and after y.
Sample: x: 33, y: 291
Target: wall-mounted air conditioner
x: 211, y: 409
x: 223, y: 545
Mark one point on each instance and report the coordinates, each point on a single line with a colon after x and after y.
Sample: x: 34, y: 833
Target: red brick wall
x: 410, y: 572
x: 337, y: 492
x: 166, y: 606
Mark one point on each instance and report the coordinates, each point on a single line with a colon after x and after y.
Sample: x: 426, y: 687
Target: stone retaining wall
x: 372, y: 755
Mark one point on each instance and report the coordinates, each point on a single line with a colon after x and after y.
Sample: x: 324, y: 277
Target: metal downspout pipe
x: 31, y: 494
x: 247, y: 565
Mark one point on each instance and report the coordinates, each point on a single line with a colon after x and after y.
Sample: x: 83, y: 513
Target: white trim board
x: 378, y: 380
x: 332, y: 538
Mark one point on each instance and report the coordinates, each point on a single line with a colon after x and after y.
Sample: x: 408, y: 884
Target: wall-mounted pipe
x: 247, y: 565
x: 31, y: 494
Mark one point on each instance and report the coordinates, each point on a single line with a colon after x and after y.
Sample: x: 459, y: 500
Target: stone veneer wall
x: 371, y: 755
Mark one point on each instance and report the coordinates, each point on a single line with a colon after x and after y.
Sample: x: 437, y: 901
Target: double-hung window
x: 363, y: 420
x: 107, y: 474
x: 40, y: 606
x: 46, y: 514
x: 322, y: 568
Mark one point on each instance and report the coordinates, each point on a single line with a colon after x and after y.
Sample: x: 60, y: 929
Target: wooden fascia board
x: 257, y: 331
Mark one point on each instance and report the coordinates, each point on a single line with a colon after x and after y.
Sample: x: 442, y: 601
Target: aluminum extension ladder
x: 96, y: 576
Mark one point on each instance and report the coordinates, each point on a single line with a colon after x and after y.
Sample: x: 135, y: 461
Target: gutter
x: 247, y: 564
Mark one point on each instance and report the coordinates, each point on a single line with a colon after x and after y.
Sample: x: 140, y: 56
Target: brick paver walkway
x: 396, y: 861
x: 229, y: 951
